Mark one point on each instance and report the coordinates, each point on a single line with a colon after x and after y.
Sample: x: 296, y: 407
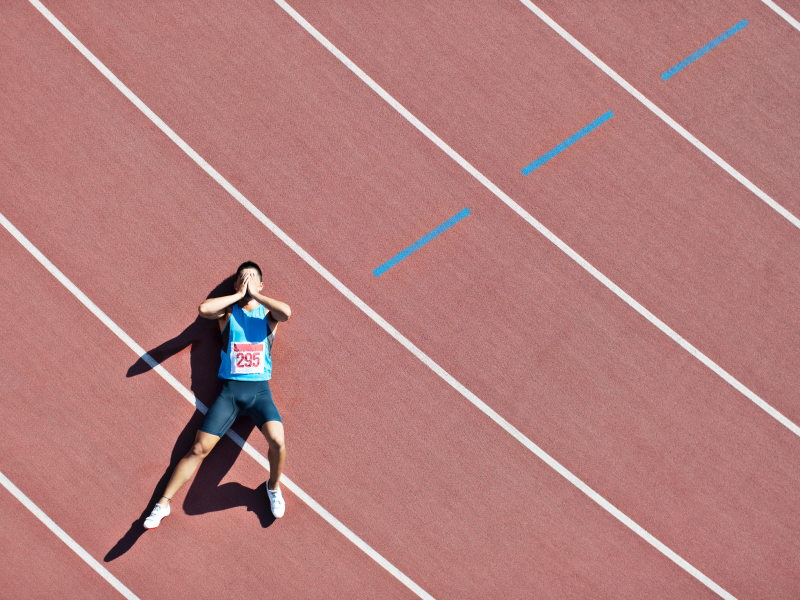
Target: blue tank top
x: 247, y: 345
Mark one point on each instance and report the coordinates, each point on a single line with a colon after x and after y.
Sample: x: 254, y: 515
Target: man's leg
x: 273, y: 431
x: 203, y: 443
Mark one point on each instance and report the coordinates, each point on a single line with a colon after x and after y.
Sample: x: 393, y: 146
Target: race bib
x: 247, y: 358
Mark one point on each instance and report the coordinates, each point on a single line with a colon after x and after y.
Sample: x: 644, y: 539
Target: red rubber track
x: 88, y: 445
x: 792, y: 7
x: 374, y: 436
x: 679, y: 234
x: 740, y: 99
x: 423, y: 496
x: 462, y: 510
x: 36, y: 564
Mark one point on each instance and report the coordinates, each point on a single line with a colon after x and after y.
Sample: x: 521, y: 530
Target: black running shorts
x: 240, y: 398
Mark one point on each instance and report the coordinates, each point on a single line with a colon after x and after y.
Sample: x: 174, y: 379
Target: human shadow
x: 205, y: 493
x: 179, y: 450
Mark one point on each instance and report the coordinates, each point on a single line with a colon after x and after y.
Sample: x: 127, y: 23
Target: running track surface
x: 373, y: 435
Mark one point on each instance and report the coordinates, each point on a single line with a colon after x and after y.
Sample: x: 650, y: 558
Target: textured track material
x: 392, y: 451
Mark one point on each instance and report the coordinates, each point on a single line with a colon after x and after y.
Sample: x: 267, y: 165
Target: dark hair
x: 249, y: 265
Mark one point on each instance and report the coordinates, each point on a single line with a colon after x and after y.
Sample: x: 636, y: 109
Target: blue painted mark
x: 567, y: 143
x: 709, y: 46
x: 420, y: 242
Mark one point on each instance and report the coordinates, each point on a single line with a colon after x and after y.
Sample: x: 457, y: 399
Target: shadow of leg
x: 208, y: 494
x: 179, y: 450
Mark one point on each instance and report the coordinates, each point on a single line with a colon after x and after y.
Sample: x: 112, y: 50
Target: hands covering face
x: 248, y: 283
x: 253, y: 284
x: 241, y: 284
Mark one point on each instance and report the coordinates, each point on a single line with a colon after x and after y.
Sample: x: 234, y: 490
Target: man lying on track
x: 247, y: 321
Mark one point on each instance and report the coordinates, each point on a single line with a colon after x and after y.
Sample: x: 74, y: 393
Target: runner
x: 247, y: 321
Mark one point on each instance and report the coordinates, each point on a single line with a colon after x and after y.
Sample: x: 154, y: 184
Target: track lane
x: 36, y: 564
x: 536, y: 528
x: 427, y: 267
x: 783, y: 13
x: 792, y: 7
x: 680, y: 236
x: 90, y: 452
x: 739, y: 99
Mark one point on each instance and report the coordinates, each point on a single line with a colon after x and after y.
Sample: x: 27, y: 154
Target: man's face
x: 253, y: 275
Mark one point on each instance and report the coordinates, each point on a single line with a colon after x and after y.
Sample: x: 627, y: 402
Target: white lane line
x: 516, y: 208
x: 789, y: 18
x: 661, y: 114
x: 183, y: 391
x: 555, y: 465
x: 752, y: 396
x: 64, y: 537
x: 525, y: 215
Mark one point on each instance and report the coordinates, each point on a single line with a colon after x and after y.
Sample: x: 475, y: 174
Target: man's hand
x: 278, y: 311
x: 252, y: 285
x: 215, y: 308
x: 242, y: 288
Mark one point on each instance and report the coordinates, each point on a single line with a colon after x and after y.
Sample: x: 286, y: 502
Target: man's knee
x: 276, y: 442
x: 199, y: 450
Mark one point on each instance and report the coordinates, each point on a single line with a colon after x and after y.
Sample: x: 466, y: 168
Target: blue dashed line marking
x: 567, y: 143
x: 421, y: 242
x: 709, y: 46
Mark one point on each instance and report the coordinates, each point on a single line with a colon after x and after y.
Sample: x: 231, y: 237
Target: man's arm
x: 278, y: 310
x: 214, y: 308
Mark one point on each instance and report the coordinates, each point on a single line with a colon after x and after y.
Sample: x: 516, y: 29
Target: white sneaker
x: 276, y: 503
x: 159, y: 512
